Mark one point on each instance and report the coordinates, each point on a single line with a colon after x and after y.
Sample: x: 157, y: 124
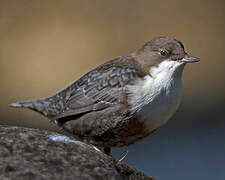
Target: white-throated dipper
x: 122, y: 100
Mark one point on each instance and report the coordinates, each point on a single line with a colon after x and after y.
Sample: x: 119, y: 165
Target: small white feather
x: 65, y: 139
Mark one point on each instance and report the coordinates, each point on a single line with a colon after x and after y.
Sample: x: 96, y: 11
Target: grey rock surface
x: 27, y: 153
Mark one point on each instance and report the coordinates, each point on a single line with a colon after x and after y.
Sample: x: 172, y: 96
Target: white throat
x: 157, y: 97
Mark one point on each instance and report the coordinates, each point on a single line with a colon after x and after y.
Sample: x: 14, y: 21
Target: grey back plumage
x: 98, y: 89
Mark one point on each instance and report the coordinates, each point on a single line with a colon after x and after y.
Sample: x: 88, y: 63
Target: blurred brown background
x: 47, y: 44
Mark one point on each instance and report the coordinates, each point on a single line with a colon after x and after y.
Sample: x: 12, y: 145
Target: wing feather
x: 101, y: 88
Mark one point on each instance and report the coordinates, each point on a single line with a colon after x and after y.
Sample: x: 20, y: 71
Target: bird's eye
x: 163, y: 53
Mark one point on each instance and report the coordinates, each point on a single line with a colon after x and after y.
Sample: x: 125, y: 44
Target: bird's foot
x: 124, y: 156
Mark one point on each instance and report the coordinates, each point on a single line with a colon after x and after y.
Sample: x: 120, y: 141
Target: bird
x: 124, y: 99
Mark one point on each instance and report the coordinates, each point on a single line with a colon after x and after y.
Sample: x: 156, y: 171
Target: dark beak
x: 190, y: 59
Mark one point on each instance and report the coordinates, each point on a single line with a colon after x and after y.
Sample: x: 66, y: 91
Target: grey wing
x: 98, y: 89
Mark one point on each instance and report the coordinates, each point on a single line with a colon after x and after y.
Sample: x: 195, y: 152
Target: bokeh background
x: 47, y: 44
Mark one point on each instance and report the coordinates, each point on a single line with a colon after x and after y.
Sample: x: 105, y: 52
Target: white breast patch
x: 157, y: 97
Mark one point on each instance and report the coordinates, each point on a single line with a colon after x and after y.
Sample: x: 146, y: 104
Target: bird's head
x: 166, y: 52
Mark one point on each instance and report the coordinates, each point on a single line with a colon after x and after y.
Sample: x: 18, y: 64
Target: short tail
x: 28, y: 104
x: 39, y: 105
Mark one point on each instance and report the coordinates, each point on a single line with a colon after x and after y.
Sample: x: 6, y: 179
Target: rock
x: 27, y: 153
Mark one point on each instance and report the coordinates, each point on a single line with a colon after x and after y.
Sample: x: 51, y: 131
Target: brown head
x: 162, y: 49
